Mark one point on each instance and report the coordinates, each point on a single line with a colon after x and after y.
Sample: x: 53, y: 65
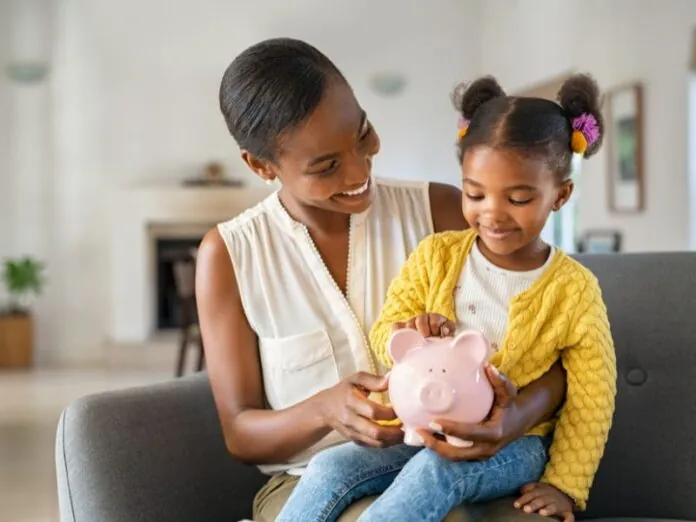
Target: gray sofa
x: 156, y: 453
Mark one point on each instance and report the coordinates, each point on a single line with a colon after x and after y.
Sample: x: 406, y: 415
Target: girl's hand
x: 346, y: 408
x: 503, y: 425
x: 429, y: 325
x: 547, y: 500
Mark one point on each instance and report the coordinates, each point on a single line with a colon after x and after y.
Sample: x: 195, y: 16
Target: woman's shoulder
x: 248, y: 216
x: 243, y: 233
x: 267, y: 218
x: 402, y: 185
x: 438, y: 204
x: 400, y: 196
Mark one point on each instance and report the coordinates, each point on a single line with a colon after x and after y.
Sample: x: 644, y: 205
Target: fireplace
x: 171, y: 271
x: 168, y: 252
x: 140, y: 298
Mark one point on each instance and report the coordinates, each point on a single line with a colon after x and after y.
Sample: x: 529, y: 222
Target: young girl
x: 534, y: 303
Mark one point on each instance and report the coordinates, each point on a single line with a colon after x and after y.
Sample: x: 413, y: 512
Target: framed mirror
x: 624, y: 142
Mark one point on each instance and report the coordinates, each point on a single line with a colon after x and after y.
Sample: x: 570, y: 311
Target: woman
x: 288, y: 290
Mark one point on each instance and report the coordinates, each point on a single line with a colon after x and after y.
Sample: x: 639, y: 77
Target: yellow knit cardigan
x: 561, y: 315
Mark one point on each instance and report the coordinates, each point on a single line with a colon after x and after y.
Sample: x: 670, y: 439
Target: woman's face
x: 326, y: 161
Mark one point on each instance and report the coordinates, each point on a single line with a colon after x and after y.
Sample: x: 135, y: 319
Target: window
x: 691, y: 145
x: 561, y: 229
x: 692, y: 160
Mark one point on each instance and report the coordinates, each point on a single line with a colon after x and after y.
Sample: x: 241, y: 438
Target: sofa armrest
x: 150, y: 454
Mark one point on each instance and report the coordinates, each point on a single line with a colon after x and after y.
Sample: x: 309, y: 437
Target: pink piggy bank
x: 438, y: 378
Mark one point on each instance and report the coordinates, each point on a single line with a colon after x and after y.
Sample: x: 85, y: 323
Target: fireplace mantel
x: 136, y: 213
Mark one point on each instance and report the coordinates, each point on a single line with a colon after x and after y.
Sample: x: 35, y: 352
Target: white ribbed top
x: 484, y: 292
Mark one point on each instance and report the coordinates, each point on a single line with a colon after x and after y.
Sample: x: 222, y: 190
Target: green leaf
x: 23, y: 276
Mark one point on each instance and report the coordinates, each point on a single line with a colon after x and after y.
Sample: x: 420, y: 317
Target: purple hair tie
x: 463, y: 125
x: 587, y: 124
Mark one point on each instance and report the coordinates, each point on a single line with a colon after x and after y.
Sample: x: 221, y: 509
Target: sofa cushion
x: 649, y: 467
x: 153, y: 453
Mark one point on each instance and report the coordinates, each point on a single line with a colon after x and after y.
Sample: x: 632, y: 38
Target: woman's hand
x: 346, y: 408
x: 547, y: 500
x: 502, y: 426
x: 428, y: 325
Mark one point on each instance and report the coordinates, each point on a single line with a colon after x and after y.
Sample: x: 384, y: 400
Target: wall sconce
x: 388, y: 84
x: 27, y: 72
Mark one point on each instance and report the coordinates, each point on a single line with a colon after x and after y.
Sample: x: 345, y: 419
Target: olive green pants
x: 271, y: 498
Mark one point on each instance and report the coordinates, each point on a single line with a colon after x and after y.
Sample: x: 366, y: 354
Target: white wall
x: 159, y: 83
x: 133, y: 98
x: 6, y: 187
x: 30, y: 135
x: 26, y: 146
x: 618, y: 42
x: 6, y: 181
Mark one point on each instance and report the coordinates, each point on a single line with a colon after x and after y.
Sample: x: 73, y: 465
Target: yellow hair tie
x: 463, y: 127
x: 578, y: 142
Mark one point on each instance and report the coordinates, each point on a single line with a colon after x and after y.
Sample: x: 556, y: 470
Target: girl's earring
x: 269, y: 181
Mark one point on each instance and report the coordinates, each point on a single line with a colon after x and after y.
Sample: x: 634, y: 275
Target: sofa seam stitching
x: 65, y: 464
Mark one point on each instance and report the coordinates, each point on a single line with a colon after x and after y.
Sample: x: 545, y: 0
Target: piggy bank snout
x: 436, y: 396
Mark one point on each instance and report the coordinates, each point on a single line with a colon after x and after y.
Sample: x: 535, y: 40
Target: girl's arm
x: 252, y: 432
x: 583, y: 426
x: 406, y: 299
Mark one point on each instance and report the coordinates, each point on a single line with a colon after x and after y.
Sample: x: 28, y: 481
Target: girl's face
x: 507, y: 199
x: 326, y: 162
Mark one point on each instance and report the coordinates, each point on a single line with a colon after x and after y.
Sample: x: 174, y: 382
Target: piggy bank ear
x: 475, y: 344
x: 402, y: 341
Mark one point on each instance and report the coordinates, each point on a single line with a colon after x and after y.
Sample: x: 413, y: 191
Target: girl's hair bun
x: 579, y: 95
x: 468, y: 98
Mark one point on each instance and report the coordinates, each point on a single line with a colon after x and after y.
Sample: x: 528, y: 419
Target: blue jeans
x: 413, y: 483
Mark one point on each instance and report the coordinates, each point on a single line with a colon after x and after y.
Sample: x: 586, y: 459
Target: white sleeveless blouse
x: 310, y: 335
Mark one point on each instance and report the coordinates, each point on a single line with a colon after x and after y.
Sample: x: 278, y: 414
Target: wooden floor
x: 30, y: 404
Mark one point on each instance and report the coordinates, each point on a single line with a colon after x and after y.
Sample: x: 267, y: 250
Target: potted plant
x: 24, y: 280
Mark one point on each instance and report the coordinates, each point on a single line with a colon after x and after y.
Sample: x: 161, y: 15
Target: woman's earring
x: 269, y: 181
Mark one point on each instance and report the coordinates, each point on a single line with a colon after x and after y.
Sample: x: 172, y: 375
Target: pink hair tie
x: 586, y: 132
x: 463, y: 125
